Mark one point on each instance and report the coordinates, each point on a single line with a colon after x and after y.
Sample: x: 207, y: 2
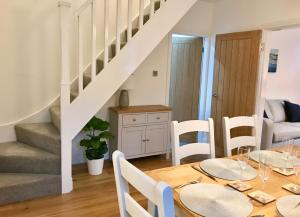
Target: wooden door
x: 133, y: 141
x: 185, y: 80
x: 156, y: 138
x: 235, y: 80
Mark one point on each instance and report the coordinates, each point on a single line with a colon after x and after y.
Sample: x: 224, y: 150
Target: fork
x: 189, y: 183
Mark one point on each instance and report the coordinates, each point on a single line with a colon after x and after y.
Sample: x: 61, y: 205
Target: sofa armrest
x: 267, y: 134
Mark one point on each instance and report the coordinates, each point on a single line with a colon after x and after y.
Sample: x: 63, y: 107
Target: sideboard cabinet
x: 140, y: 131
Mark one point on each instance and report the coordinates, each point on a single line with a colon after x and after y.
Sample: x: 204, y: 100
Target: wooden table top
x: 185, y: 173
x: 139, y: 109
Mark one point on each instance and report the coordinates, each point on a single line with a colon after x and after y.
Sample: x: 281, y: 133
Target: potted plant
x: 95, y: 143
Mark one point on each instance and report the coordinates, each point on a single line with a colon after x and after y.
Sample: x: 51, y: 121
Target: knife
x: 204, y: 173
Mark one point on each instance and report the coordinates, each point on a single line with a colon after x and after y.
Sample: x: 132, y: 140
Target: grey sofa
x: 276, y: 128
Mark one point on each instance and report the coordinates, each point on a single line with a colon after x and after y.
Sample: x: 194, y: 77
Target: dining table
x: 177, y: 175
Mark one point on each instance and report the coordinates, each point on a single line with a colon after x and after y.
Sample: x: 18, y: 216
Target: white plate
x: 227, y: 169
x: 275, y: 158
x: 286, y: 206
x: 211, y: 200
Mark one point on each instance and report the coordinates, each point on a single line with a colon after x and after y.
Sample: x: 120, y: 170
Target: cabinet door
x: 156, y: 137
x: 133, y: 141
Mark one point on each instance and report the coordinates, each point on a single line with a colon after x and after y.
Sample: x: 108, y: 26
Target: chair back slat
x: 133, y: 208
x: 159, y: 194
x: 232, y: 143
x: 137, y: 178
x: 195, y: 148
x: 242, y: 121
x: 177, y: 129
x: 245, y: 140
x: 192, y: 126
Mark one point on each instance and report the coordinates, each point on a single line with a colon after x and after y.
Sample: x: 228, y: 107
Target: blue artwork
x: 273, y: 59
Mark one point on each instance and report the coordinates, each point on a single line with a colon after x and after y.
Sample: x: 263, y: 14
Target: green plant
x: 95, y: 141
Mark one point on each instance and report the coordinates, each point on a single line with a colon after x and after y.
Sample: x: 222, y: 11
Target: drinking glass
x: 287, y: 152
x: 265, y: 168
x: 243, y: 159
x: 296, y: 167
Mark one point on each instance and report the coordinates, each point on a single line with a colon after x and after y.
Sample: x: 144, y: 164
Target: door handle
x: 215, y: 95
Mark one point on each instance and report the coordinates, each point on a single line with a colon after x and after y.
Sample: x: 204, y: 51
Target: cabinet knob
x: 157, y: 118
x: 133, y: 119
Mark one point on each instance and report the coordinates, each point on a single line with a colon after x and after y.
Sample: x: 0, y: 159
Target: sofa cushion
x: 268, y: 110
x: 286, y: 130
x: 292, y: 111
x: 277, y: 110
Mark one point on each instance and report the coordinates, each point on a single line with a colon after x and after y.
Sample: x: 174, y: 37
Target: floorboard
x: 93, y: 196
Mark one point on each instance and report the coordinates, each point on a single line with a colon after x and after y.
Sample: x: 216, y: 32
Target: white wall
x: 154, y: 90
x: 240, y: 15
x: 284, y: 84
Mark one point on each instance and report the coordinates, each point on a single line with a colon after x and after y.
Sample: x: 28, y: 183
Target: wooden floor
x: 93, y: 196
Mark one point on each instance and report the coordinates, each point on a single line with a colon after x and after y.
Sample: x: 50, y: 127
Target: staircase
x: 39, y: 163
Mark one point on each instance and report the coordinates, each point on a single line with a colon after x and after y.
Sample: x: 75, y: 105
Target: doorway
x: 185, y: 79
x: 235, y: 80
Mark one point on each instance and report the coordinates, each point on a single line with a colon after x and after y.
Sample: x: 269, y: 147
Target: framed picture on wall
x: 273, y: 59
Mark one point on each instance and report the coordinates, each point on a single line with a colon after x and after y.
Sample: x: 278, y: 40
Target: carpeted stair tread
x: 55, y: 116
x: 16, y: 187
x: 40, y: 135
x: 18, y: 157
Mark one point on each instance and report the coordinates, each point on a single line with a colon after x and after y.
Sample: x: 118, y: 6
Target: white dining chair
x: 179, y: 152
x: 233, y: 143
x: 159, y: 194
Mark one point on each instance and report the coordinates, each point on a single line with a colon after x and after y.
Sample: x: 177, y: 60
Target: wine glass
x: 287, y: 153
x: 296, y: 167
x: 243, y: 159
x: 265, y: 168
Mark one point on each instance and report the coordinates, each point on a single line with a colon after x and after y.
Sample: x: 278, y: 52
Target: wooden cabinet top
x: 140, y: 109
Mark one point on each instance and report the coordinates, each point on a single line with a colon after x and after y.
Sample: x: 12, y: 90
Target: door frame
x: 204, y: 69
x: 263, y: 63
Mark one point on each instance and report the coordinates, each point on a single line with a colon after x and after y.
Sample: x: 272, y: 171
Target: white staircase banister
x: 141, y: 14
x: 118, y: 25
x: 106, y: 26
x: 65, y: 20
x: 152, y: 9
x: 129, y: 20
x: 66, y: 139
x: 83, y: 7
x: 80, y: 56
x: 94, y: 39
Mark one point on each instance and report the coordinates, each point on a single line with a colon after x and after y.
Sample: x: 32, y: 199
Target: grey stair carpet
x: 42, y: 135
x: 16, y: 187
x: 21, y: 158
x: 55, y: 116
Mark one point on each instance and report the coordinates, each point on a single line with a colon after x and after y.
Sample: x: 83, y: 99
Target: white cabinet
x: 140, y: 131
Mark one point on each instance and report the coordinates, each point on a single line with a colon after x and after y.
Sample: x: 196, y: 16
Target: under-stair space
x: 31, y: 166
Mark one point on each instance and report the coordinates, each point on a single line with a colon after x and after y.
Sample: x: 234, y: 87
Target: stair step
x: 18, y: 157
x: 15, y: 187
x: 55, y: 116
x: 41, y: 135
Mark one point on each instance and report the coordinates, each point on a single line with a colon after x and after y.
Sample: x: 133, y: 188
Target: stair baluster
x: 118, y: 25
x: 94, y: 39
x: 141, y: 14
x: 129, y: 21
x: 106, y: 25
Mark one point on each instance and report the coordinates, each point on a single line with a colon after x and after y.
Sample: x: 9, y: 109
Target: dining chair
x: 159, y: 194
x: 235, y: 142
x: 181, y: 151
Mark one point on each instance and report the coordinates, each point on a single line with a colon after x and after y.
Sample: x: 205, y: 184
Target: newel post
x: 66, y: 140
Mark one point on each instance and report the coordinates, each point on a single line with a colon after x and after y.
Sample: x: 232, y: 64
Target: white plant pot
x: 95, y: 167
